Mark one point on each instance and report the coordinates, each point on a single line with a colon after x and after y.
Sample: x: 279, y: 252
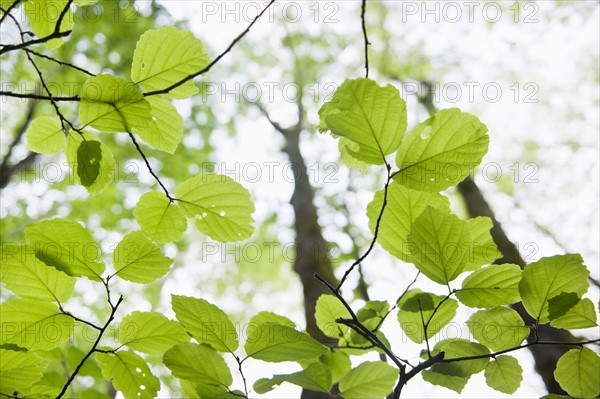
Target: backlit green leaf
x: 159, y: 218
x: 338, y: 362
x: 504, y: 374
x: 368, y: 380
x: 439, y: 245
x: 168, y: 127
x: 67, y: 246
x: 112, y: 105
x: 483, y: 249
x: 91, y: 161
x: 34, y: 324
x: 550, y: 277
x: 403, y: 207
x: 327, y: 310
x: 578, y: 373
x: 19, y: 371
x: 198, y: 363
x: 280, y: 343
x: 205, y: 322
x: 45, y: 135
x: 138, y: 259
x: 498, y: 328
x: 166, y: 56
x: 222, y: 206
x: 28, y: 277
x: 371, y: 116
x: 491, y: 286
x: 150, y: 332
x: 582, y: 315
x: 414, y: 303
x: 129, y: 373
x: 441, y: 151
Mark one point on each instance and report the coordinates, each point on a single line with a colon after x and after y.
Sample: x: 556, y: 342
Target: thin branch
x: 581, y: 344
x: 360, y: 328
x: 38, y: 96
x: 239, y: 362
x: 215, y: 61
x: 403, y: 380
x: 425, y: 330
x: 54, y: 35
x: 93, y: 349
x: 67, y: 64
x: 139, y: 149
x: 367, y: 43
x: 375, y: 234
x: 8, y: 10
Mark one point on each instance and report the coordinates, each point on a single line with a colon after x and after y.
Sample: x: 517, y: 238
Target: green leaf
x: 273, y: 342
x: 347, y: 148
x: 403, y: 207
x: 205, y: 322
x: 582, y: 315
x: 414, y: 302
x: 200, y: 364
x: 368, y: 380
x: 28, y: 277
x: 441, y: 151
x: 215, y: 392
x: 455, y: 375
x: 112, y: 105
x: 504, y: 374
x: 369, y: 115
x: 166, y: 56
x: 444, y: 379
x: 150, y: 332
x: 270, y: 317
x: 91, y: 161
x: 264, y: 385
x: 45, y: 135
x: 498, y: 328
x: 578, y: 373
x: 338, y: 362
x: 129, y: 373
x: 224, y: 207
x: 327, y: 310
x: 316, y: 377
x: 138, y: 259
x: 67, y: 246
x: 43, y: 16
x: 491, y: 286
x: 438, y: 244
x: 159, y: 218
x: 34, y: 324
x: 483, y: 249
x: 19, y: 371
x: 550, y: 277
x: 168, y: 127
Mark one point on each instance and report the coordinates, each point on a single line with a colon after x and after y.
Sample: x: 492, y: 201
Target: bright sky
x: 531, y: 77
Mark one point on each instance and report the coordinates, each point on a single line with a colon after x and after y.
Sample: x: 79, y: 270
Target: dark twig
x: 359, y: 327
x: 54, y: 35
x: 33, y: 96
x: 377, y: 225
x: 139, y: 149
x: 8, y: 10
x: 93, y: 349
x: 67, y: 64
x: 367, y: 43
x: 214, y: 62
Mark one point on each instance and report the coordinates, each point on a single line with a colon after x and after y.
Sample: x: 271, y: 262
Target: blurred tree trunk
x: 312, y: 250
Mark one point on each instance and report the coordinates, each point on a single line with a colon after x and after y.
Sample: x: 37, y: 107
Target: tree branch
x: 367, y: 43
x: 368, y: 251
x: 93, y: 349
x: 215, y: 61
